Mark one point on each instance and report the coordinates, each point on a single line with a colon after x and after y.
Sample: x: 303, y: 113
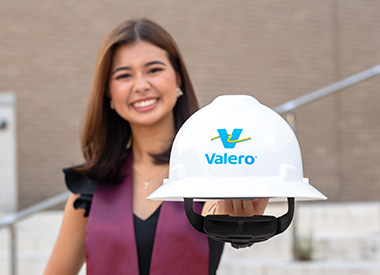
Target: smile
x: 145, y: 103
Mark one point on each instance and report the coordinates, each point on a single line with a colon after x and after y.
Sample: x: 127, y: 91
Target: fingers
x: 260, y: 205
x: 249, y: 208
x: 241, y: 208
x: 224, y: 207
x: 209, y: 208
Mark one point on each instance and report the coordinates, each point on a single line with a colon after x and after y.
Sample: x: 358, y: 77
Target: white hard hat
x: 235, y: 147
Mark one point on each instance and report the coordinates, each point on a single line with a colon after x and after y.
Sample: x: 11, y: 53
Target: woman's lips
x: 145, y: 104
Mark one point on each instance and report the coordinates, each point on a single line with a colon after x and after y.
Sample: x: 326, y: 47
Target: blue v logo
x: 229, y: 140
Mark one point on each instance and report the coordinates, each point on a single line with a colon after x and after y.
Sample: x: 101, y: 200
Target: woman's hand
x: 241, y: 208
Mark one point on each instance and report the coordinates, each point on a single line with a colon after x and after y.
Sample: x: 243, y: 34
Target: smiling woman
x: 141, y: 96
x: 143, y: 86
x: 103, y: 158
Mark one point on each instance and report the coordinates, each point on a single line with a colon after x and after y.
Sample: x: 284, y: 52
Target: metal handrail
x: 11, y: 219
x: 38, y: 207
x: 286, y: 108
x: 328, y: 90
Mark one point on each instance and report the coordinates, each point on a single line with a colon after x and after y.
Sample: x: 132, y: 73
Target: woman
x: 140, y: 97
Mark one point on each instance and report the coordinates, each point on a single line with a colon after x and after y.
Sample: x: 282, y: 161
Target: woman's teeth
x: 145, y: 103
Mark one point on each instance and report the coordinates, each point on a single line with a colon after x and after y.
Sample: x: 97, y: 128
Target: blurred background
x: 273, y: 50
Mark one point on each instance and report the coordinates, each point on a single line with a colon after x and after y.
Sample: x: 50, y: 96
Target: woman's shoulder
x: 79, y: 183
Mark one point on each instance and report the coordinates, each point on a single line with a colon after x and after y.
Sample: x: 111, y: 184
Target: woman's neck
x: 148, y: 140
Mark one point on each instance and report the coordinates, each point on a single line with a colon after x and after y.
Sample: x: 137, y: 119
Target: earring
x: 179, y: 92
x: 111, y: 105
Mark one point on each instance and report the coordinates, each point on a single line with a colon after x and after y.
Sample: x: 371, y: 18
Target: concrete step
x: 35, y: 240
x: 39, y: 233
x: 346, y: 240
x: 349, y: 247
x: 281, y: 267
x: 341, y: 247
x: 30, y: 264
x: 329, y: 217
x: 35, y: 234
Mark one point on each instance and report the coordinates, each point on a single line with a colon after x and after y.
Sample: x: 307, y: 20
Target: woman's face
x: 143, y: 84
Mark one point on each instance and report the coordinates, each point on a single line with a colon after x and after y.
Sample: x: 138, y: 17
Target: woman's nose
x: 141, y: 84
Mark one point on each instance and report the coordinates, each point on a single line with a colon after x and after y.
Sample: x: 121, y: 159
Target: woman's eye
x: 155, y: 70
x: 123, y: 76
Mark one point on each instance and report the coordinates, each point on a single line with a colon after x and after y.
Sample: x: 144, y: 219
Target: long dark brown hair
x: 105, y: 133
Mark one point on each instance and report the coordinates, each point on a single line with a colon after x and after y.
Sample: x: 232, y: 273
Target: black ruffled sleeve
x: 78, y: 183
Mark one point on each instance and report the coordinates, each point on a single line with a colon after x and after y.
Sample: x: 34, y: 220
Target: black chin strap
x: 239, y: 231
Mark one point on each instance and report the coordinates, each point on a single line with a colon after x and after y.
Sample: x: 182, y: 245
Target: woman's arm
x: 240, y: 208
x: 68, y: 253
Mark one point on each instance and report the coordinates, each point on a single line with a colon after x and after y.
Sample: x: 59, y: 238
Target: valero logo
x: 229, y: 142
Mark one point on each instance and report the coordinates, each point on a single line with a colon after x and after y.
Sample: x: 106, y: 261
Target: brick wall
x: 274, y: 50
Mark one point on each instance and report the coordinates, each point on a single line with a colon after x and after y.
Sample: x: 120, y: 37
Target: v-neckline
x: 156, y: 212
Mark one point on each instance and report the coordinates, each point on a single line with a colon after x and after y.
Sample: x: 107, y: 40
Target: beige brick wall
x: 274, y: 50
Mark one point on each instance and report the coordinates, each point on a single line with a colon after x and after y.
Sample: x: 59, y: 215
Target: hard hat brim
x: 203, y: 189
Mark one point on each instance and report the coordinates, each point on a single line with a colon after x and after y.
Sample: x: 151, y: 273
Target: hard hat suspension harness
x: 239, y: 231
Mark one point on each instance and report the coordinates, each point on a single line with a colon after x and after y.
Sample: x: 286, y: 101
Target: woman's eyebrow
x: 146, y: 65
x: 121, y: 69
x: 154, y: 63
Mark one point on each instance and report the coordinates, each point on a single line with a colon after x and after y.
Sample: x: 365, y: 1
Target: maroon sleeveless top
x: 110, y: 240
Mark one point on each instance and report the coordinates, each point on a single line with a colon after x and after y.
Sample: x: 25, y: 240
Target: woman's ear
x: 179, y: 80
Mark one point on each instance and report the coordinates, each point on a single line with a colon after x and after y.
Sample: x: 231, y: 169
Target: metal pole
x: 13, y: 248
x: 325, y: 91
x: 290, y: 117
x: 11, y: 220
